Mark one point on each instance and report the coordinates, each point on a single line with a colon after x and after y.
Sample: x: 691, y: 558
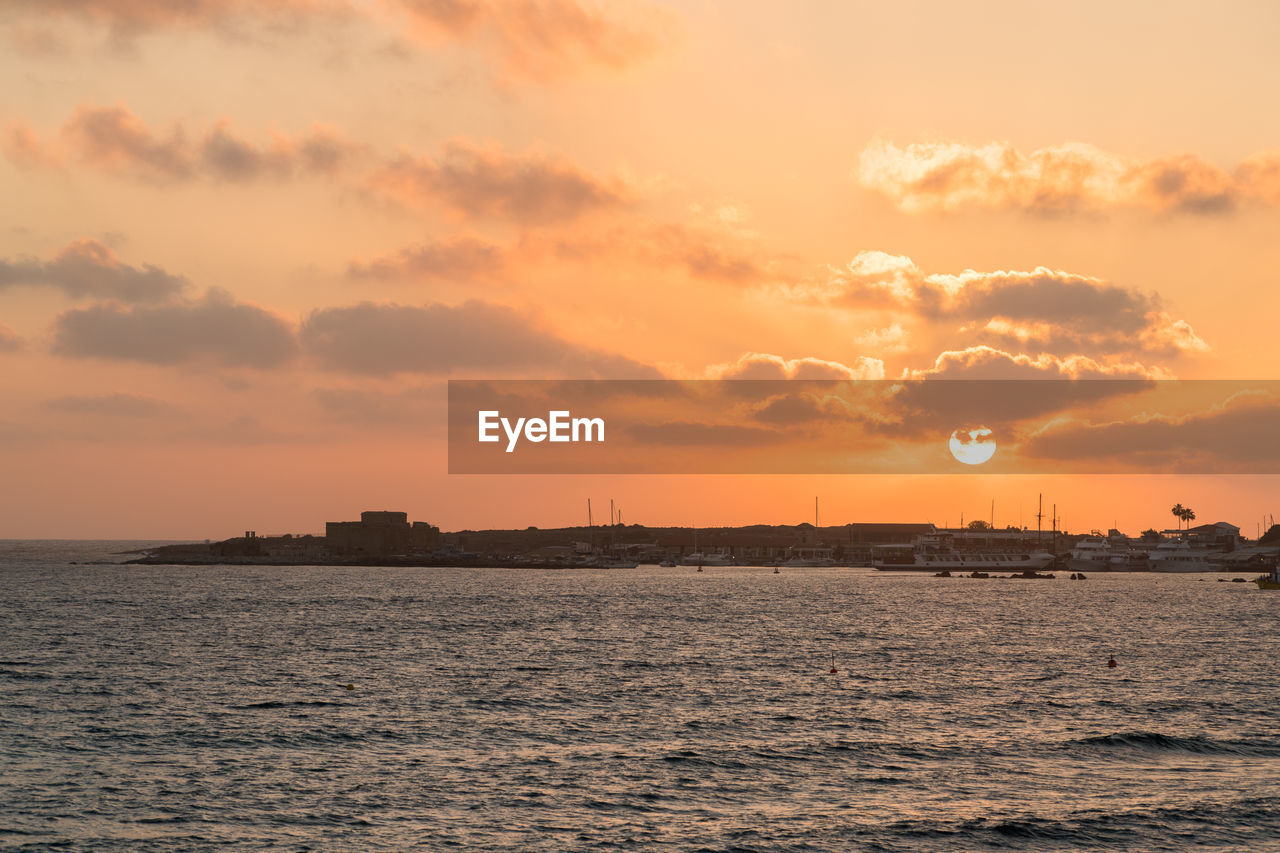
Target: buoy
x: 1112, y: 662
x: 350, y: 687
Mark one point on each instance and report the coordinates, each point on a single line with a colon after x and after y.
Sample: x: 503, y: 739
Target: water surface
x: 193, y: 708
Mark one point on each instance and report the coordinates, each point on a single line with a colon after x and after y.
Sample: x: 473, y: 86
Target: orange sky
x: 235, y: 227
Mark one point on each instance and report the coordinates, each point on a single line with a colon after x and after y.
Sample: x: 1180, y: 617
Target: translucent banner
x: 1094, y: 426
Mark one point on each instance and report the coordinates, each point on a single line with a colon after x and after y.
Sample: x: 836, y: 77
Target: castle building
x: 380, y: 534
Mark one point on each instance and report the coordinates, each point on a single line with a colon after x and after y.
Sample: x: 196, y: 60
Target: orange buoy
x: 1112, y: 662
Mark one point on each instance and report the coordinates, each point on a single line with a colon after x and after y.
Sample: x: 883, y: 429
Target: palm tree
x: 1178, y: 510
x: 1188, y: 515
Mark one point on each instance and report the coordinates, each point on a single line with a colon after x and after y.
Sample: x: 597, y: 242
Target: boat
x: 1271, y: 580
x: 810, y: 563
x: 938, y: 552
x: 1096, y: 554
x: 667, y: 564
x: 1179, y: 557
x: 717, y: 558
x: 812, y: 556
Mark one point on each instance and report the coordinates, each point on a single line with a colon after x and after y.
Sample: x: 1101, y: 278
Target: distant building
x: 1220, y: 534
x: 380, y: 534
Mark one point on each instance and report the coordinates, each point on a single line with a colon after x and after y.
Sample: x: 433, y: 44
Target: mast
x: 1039, y: 518
x: 591, y: 541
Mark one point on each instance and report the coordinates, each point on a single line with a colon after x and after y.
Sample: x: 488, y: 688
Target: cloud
x: 890, y: 339
x: 719, y: 255
x: 943, y: 177
x: 463, y: 258
x: 215, y: 329
x: 126, y: 19
x: 1059, y: 311
x: 984, y: 362
x: 116, y: 141
x: 10, y: 341
x: 539, y: 40
x: 546, y: 39
x: 87, y: 268
x: 703, y: 256
x: 470, y: 180
x: 475, y: 181
x: 115, y: 405
x: 476, y: 337
x: 1241, y: 431
x: 757, y: 365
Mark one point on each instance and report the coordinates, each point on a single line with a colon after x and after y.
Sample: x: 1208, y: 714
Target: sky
x: 246, y: 244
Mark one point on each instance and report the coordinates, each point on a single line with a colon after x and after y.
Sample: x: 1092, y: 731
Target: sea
x: 170, y: 708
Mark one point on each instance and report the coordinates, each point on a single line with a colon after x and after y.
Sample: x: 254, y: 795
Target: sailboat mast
x: 1039, y: 518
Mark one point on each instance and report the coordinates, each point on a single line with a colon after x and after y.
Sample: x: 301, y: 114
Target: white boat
x: 1180, y: 557
x: 713, y: 559
x: 1096, y: 554
x: 938, y: 553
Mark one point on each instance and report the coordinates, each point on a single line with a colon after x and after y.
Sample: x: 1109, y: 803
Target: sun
x: 972, y: 446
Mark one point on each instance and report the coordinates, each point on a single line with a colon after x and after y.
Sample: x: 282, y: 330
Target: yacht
x: 717, y: 558
x: 1096, y: 554
x: 938, y: 552
x: 1179, y: 557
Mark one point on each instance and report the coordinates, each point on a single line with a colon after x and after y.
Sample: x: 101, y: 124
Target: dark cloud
x: 1053, y: 310
x: 984, y: 362
x: 791, y: 409
x: 440, y: 339
x: 461, y: 259
x: 1238, y: 437
x: 87, y: 268
x: 1185, y: 184
x: 705, y: 257
x: 530, y: 189
x: 113, y: 139
x: 215, y: 329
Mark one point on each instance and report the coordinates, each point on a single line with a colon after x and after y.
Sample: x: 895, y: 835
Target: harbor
x: 389, y: 538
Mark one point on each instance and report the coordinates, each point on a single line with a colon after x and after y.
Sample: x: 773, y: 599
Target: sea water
x: 200, y: 708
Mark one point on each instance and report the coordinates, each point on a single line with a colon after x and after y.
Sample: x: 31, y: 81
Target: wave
x: 301, y: 703
x: 1194, y: 744
x: 1247, y: 824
